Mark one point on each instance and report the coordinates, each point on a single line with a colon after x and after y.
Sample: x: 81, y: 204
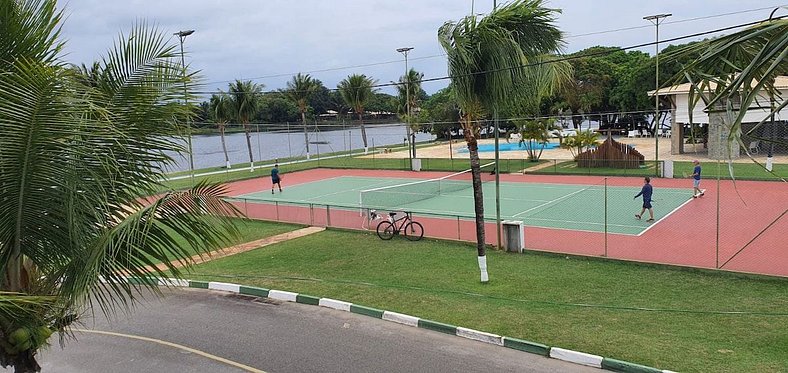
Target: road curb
x: 552, y: 352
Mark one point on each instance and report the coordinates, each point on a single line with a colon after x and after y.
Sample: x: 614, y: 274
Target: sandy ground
x: 645, y: 146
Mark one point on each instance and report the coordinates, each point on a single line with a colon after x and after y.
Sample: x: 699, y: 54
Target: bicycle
x: 387, y: 229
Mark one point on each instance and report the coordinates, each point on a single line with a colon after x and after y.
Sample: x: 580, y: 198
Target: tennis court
x: 547, y: 205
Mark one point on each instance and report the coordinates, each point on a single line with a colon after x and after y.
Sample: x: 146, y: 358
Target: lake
x: 272, y: 145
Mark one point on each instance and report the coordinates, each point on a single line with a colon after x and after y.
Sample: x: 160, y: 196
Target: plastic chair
x: 755, y: 146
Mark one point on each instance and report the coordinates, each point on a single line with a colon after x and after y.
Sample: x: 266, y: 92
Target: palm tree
x: 742, y: 66
x: 356, y: 91
x: 221, y: 111
x: 299, y: 90
x: 76, y: 157
x: 534, y: 134
x: 408, y: 89
x: 486, y: 64
x: 245, y: 100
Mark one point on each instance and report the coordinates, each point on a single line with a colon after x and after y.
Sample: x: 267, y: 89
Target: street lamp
x: 656, y: 19
x: 411, y: 153
x: 182, y: 36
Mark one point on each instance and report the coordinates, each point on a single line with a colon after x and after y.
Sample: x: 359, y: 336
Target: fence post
x: 328, y: 217
x: 459, y: 236
x: 605, y: 217
x: 276, y: 204
x: 311, y: 214
x: 717, y: 249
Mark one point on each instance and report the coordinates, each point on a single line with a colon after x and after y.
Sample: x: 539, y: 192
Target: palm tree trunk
x: 478, y: 199
x: 363, y: 132
x: 224, y: 146
x: 249, y: 146
x: 306, y: 134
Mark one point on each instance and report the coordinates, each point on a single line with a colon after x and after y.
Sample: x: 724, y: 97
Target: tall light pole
x: 182, y: 36
x: 656, y: 19
x: 411, y: 154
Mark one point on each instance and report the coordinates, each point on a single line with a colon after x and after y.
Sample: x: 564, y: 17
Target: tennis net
x: 396, y: 196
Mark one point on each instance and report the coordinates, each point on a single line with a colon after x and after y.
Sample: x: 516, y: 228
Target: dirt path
x: 244, y: 247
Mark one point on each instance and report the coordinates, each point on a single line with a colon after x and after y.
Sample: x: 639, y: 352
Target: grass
x: 571, y: 168
x: 367, y: 162
x: 743, y: 171
x: 583, y: 304
x: 249, y: 230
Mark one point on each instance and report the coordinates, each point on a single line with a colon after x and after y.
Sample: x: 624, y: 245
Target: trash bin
x: 416, y: 164
x: 513, y: 235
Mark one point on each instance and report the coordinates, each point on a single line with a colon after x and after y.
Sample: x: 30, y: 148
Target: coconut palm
x: 76, y: 158
x: 356, y: 90
x: 739, y: 67
x: 245, y: 98
x: 486, y: 64
x: 221, y: 111
x: 534, y: 134
x: 299, y: 90
x: 408, y: 89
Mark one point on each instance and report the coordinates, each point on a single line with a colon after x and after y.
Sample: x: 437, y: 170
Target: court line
x: 547, y: 203
x: 175, y: 345
x: 668, y: 214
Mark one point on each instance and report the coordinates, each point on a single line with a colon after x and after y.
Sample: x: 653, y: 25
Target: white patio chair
x: 755, y: 146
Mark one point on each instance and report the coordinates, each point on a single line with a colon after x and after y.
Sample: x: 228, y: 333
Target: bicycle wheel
x: 414, y: 231
x: 385, y: 230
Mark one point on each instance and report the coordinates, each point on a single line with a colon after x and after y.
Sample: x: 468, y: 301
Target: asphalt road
x: 188, y: 330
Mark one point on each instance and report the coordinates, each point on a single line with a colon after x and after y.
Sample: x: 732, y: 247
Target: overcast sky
x: 268, y: 41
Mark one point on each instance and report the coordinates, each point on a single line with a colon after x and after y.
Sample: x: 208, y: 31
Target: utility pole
x: 182, y: 36
x: 656, y: 19
x: 411, y: 153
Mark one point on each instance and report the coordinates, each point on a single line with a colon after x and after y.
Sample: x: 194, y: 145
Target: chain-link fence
x: 735, y: 225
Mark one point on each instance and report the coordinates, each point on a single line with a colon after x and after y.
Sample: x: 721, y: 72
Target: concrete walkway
x: 244, y: 247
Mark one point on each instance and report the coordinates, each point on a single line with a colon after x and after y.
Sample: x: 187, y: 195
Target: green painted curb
x: 307, y: 299
x: 198, y: 284
x: 147, y: 280
x: 437, y: 326
x: 369, y: 311
x: 258, y: 292
x: 527, y: 346
x: 623, y: 366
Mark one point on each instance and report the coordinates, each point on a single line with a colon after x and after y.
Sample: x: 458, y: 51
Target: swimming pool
x: 512, y: 146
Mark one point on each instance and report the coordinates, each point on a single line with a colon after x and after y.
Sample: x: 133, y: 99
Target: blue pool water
x: 512, y: 146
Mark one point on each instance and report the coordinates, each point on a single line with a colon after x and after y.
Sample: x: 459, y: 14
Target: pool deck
x: 645, y: 146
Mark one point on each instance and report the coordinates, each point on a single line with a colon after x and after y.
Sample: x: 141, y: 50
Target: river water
x: 208, y: 152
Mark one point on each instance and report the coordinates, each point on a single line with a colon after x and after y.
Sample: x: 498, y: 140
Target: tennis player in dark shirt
x: 646, y: 192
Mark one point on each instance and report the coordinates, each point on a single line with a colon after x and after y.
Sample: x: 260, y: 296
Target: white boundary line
x: 549, y: 202
x: 668, y: 214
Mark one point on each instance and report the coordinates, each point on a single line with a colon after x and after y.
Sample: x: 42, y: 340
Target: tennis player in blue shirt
x: 696, y: 180
x: 646, y: 193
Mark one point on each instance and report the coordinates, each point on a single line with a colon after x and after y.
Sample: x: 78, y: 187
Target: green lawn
x: 570, y: 168
x: 367, y: 162
x: 588, y: 305
x: 743, y: 171
x: 249, y: 230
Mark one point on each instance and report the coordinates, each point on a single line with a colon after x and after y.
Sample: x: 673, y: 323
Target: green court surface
x: 561, y: 206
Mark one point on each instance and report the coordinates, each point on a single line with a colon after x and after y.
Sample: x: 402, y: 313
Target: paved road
x: 274, y: 337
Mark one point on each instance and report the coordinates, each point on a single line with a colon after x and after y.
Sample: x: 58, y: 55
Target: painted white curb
x: 282, y: 295
x: 173, y: 282
x: 233, y: 288
x: 481, y: 336
x: 401, y: 318
x: 335, y: 304
x: 576, y: 357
